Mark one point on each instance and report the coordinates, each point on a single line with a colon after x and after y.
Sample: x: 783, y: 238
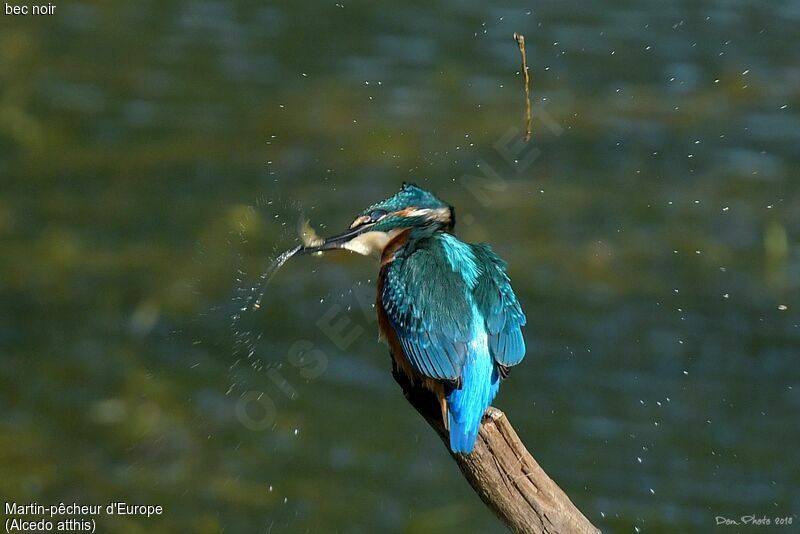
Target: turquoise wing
x: 499, y: 306
x: 429, y: 307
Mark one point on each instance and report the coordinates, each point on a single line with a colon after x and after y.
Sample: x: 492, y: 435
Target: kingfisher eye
x: 376, y: 214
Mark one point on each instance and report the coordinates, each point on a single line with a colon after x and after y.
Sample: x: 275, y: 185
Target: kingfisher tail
x: 466, y: 406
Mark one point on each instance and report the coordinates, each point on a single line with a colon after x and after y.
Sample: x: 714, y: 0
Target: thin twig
x: 520, y: 39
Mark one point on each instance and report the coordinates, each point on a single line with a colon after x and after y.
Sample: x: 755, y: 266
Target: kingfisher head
x: 411, y: 209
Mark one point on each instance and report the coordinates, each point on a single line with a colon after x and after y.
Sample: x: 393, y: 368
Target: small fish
x: 308, y: 235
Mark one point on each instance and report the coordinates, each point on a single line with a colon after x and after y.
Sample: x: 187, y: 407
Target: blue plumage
x: 499, y: 307
x: 466, y: 405
x: 457, y: 319
x: 447, y: 307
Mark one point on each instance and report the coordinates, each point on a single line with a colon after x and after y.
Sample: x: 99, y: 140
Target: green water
x: 154, y: 157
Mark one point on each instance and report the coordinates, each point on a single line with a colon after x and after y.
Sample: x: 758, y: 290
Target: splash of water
x: 269, y: 274
x: 246, y: 343
x: 250, y: 294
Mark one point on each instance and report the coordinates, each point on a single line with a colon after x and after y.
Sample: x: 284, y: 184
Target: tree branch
x: 503, y: 473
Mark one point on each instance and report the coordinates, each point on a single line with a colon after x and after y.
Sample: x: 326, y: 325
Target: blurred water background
x: 155, y: 155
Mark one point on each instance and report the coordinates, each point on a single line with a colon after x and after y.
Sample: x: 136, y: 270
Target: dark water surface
x: 155, y: 155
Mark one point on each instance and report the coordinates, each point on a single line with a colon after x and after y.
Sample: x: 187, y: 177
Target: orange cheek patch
x: 361, y: 220
x: 405, y: 212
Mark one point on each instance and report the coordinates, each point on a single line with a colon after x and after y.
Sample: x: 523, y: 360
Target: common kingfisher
x: 445, y: 307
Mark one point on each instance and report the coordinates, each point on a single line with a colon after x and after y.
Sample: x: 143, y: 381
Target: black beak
x: 337, y: 241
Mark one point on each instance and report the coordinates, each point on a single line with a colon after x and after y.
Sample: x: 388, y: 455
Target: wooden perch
x: 503, y: 473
